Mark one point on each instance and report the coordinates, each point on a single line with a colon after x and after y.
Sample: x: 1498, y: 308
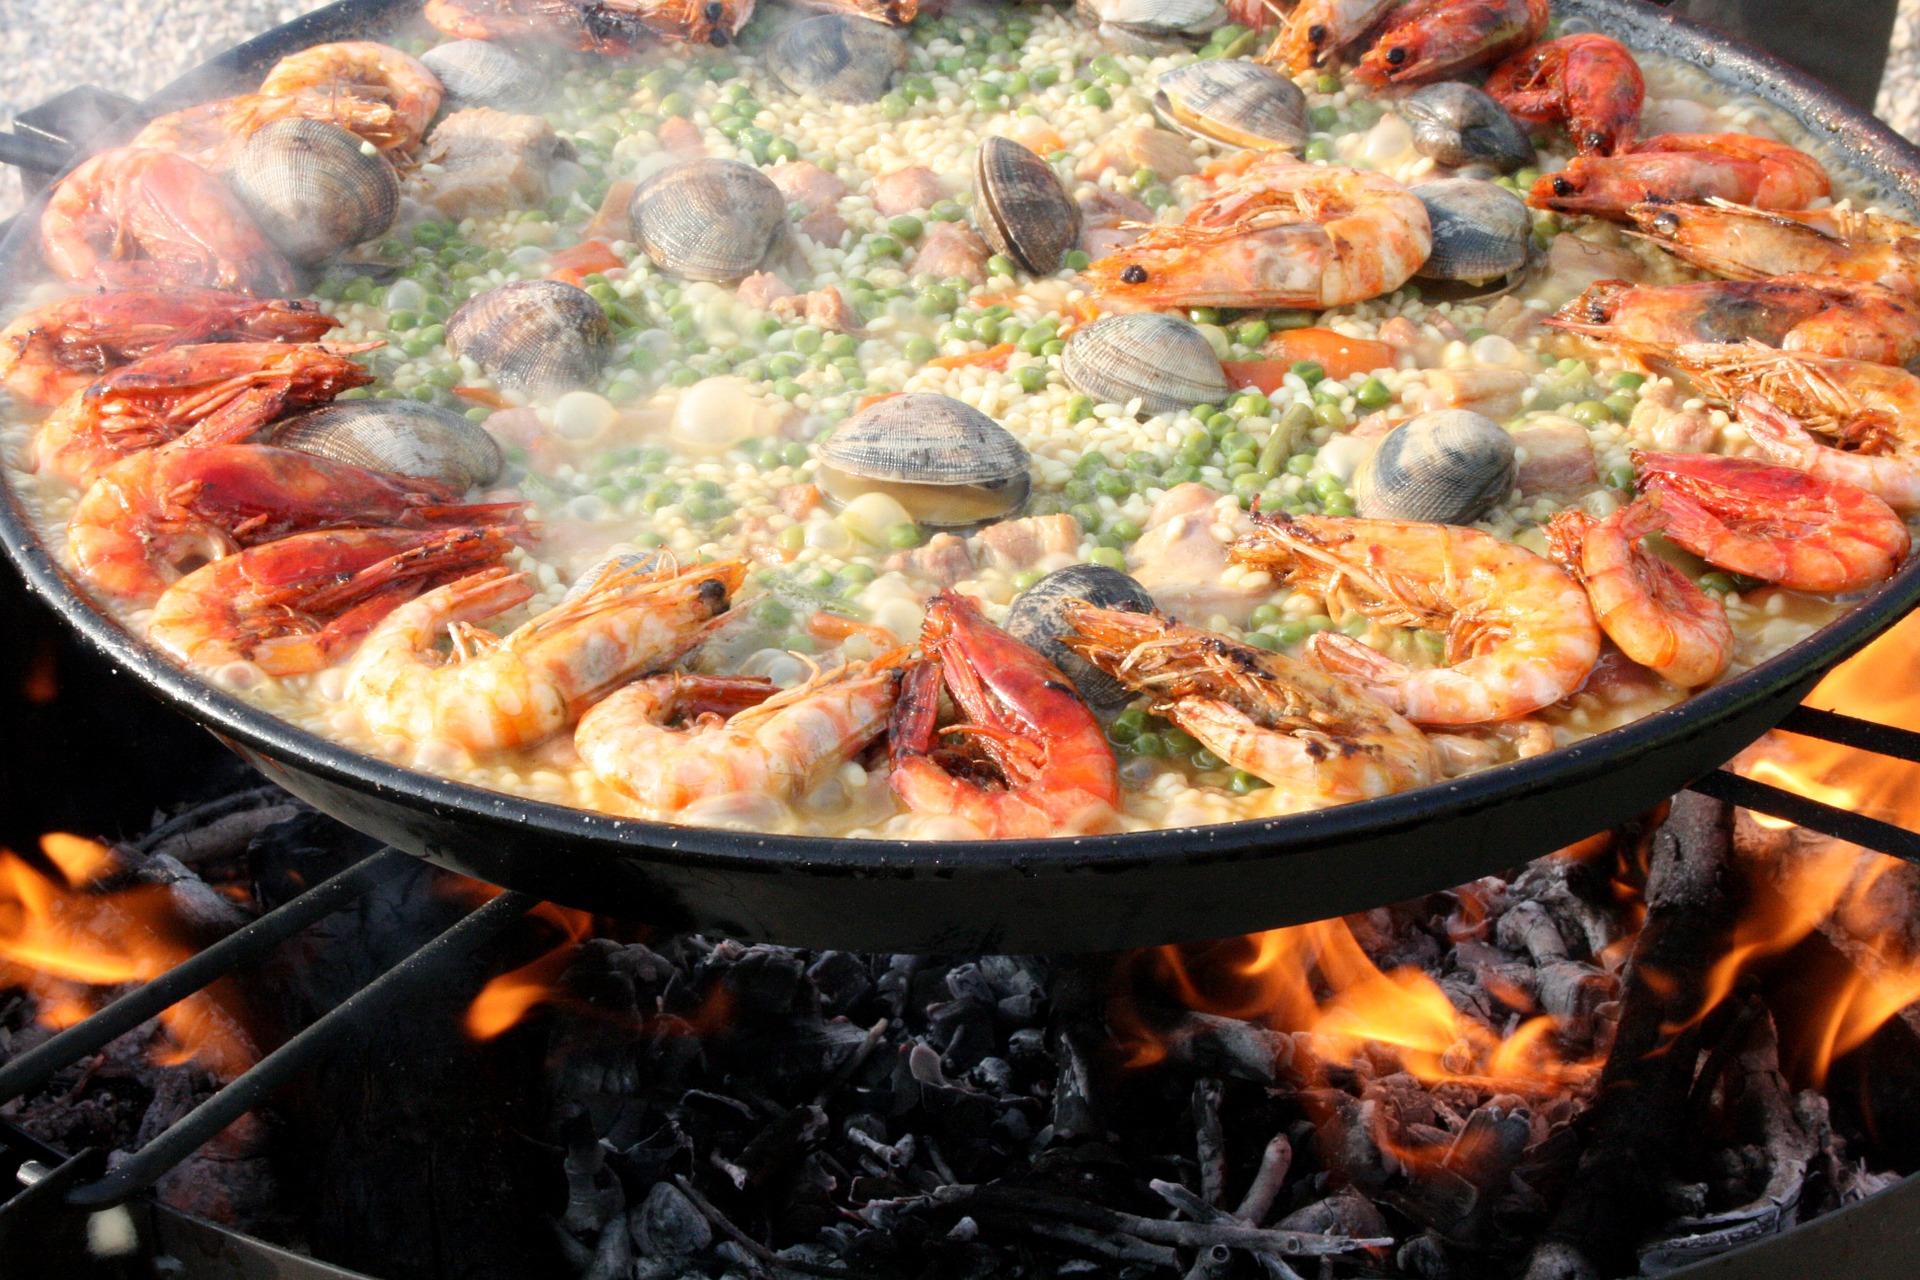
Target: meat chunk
x: 1556, y: 458
x: 1493, y: 392
x: 1663, y: 420
x: 1181, y: 558
x: 907, y: 188
x: 490, y: 161
x: 682, y: 137
x: 1139, y: 147
x: 763, y: 289
x: 1574, y: 264
x: 818, y: 194
x: 953, y: 249
x: 1032, y: 542
x: 1103, y: 215
x: 823, y: 308
x: 944, y: 560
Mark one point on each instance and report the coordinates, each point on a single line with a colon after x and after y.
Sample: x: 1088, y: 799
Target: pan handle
x: 36, y: 155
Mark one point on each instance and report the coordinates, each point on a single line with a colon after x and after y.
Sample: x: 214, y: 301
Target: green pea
x: 1131, y: 723
x: 947, y: 211
x: 1000, y: 265
x: 919, y: 350
x: 1264, y: 615
x: 1250, y: 404
x: 1629, y: 381
x: 1308, y: 372
x: 1263, y: 640
x: 1026, y: 578
x: 1332, y: 417
x: 1086, y: 515
x: 1621, y: 405
x: 1340, y: 504
x: 1620, y: 477
x: 1124, y: 530
x: 1079, y: 408
x: 1319, y: 150
x: 1243, y: 782
x: 1045, y: 77
x: 884, y: 247
x: 1373, y: 394
x: 1148, y: 744
x: 903, y: 536
x: 1252, y: 333
x: 676, y: 104
x: 1291, y: 633
x: 807, y: 340
x: 1095, y: 96
x: 1590, y: 413
x: 1112, y: 484
x: 1076, y: 260
x: 1716, y: 581
x: 1204, y: 760
x: 1032, y: 378
x: 905, y: 228
x: 894, y: 106
x: 1111, y: 557
x: 1323, y: 118
x: 793, y: 453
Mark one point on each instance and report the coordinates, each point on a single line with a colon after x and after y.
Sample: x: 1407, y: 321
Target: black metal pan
x: 1028, y: 895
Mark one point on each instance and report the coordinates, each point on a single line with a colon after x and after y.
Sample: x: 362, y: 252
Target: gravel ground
x: 136, y: 48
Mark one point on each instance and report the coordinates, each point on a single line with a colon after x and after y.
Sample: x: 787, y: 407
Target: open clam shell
x: 1035, y: 620
x: 1480, y: 231
x: 1163, y: 361
x: 1230, y: 100
x: 1021, y: 208
x: 537, y: 336
x: 708, y: 219
x: 947, y: 463
x: 839, y: 58
x: 1448, y: 467
x: 404, y: 437
x: 313, y: 189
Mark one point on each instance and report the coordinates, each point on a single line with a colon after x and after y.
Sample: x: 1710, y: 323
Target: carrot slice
x: 994, y: 357
x: 483, y: 395
x: 867, y: 401
x: 571, y: 266
x: 1339, y: 355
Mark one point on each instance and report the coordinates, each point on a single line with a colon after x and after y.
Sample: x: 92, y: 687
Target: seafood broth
x: 696, y: 419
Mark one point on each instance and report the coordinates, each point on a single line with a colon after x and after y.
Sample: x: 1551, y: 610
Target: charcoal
x: 842, y: 980
x: 668, y: 1225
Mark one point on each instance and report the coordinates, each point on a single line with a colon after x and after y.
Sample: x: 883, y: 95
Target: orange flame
x: 62, y: 938
x: 505, y: 1000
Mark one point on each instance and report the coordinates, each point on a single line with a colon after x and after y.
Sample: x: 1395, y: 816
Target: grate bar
x: 205, y: 1122
x: 38, y: 1065
x: 1851, y: 731
x: 1869, y: 833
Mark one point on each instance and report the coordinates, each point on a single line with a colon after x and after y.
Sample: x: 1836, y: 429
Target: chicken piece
x: 1139, y: 147
x: 490, y: 161
x: 1493, y: 392
x: 823, y: 309
x: 1181, y: 558
x: 1662, y: 420
x: 907, y: 188
x: 1036, y: 542
x: 764, y: 290
x: 953, y: 249
x: 1556, y: 458
x: 1104, y: 222
x: 944, y: 560
x: 1574, y: 265
x: 818, y: 194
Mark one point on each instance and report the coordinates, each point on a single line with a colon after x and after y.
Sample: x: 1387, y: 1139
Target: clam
x: 1480, y: 231
x: 1243, y: 104
x: 480, y: 73
x: 1448, y: 467
x: 621, y: 557
x: 1021, y: 208
x: 537, y: 336
x: 1035, y: 620
x: 947, y: 463
x: 1163, y: 361
x: 840, y: 58
x: 708, y: 219
x: 1456, y: 125
x: 313, y: 188
x: 1153, y: 27
x: 404, y: 437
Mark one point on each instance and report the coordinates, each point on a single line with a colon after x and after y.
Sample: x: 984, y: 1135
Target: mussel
x: 1447, y: 467
x: 313, y: 188
x: 840, y: 58
x: 947, y: 463
x: 708, y: 219
x: 1230, y: 100
x: 1480, y: 231
x: 1035, y: 620
x: 405, y: 437
x: 1021, y: 208
x: 537, y: 336
x: 1457, y: 125
x: 1164, y: 361
x: 480, y: 73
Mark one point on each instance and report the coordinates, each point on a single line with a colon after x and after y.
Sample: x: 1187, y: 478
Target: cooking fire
x: 1674, y: 1038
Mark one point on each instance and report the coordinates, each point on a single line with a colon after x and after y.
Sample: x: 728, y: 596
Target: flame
x: 508, y: 998
x: 62, y: 938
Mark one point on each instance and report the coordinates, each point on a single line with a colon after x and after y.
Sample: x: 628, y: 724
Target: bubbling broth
x: 998, y: 425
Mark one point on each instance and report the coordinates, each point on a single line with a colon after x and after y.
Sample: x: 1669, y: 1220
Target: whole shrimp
x: 1590, y: 83
x: 492, y: 694
x: 1652, y: 611
x: 210, y: 132
x: 218, y: 392
x: 1863, y: 414
x: 362, y: 71
x: 152, y: 517
x: 53, y: 351
x: 738, y: 735
x: 1520, y: 634
x: 299, y: 604
x: 131, y: 216
x: 1023, y: 726
x: 1753, y: 244
x: 1433, y: 39
x: 1774, y: 523
x: 1816, y: 315
x: 1318, y: 31
x: 1283, y: 234
x: 1318, y: 738
x: 1685, y: 167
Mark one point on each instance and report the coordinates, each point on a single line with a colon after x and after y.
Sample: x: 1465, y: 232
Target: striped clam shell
x: 1232, y: 100
x: 1021, y: 208
x: 1457, y: 125
x: 949, y: 464
x: 537, y: 336
x: 404, y: 437
x: 480, y: 73
x: 708, y: 219
x: 1480, y: 231
x: 1447, y: 467
x: 312, y: 188
x: 838, y: 58
x: 1163, y: 361
x: 1035, y: 620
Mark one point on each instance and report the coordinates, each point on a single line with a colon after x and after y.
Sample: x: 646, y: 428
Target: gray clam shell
x: 1163, y: 360
x: 1157, y: 17
x: 404, y: 437
x: 920, y: 439
x: 840, y: 58
x: 537, y: 336
x: 312, y: 188
x: 1021, y: 208
x: 1231, y: 100
x: 1035, y: 620
x: 480, y: 73
x: 708, y: 219
x: 1457, y: 125
x: 1448, y: 467
x: 618, y: 559
x: 1480, y: 231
